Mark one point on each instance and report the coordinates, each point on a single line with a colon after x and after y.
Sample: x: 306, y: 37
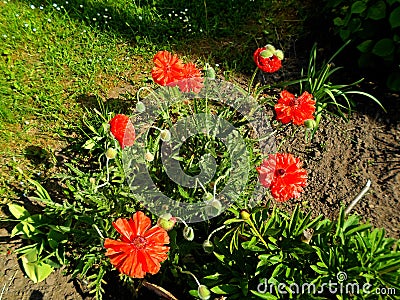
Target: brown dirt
x: 343, y: 156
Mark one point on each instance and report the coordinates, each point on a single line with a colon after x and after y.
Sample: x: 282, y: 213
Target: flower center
x: 280, y: 172
x: 294, y: 102
x: 139, y: 242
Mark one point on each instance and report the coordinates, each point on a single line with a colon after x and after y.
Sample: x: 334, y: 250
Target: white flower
x: 32, y: 6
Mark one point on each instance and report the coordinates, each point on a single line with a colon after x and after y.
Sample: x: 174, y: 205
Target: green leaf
x: 365, y: 46
x: 318, y: 270
x: 18, y: 211
x: 35, y: 269
x: 394, y: 18
x: 213, y: 276
x: 230, y: 221
x: 358, y: 7
x: 383, y: 47
x: 267, y: 296
x: 338, y: 21
x: 344, y: 34
x: 393, y: 81
x: 225, y: 289
x: 220, y: 257
x: 377, y: 11
x: 360, y: 228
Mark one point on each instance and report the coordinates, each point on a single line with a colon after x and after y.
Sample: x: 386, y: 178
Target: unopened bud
x: 165, y: 135
x: 140, y: 107
x: 245, y: 215
x: 208, y: 246
x: 209, y: 73
x: 92, y: 180
x: 204, y: 292
x: 111, y: 153
x: 213, y: 208
x: 149, y: 156
x: 166, y: 221
x: 310, y: 124
x: 208, y: 197
x: 279, y: 54
x: 188, y: 233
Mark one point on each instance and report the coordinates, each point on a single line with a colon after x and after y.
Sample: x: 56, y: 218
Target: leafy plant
x: 374, y: 28
x: 329, y: 96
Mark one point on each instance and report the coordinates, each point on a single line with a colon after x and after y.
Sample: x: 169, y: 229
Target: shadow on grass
x: 223, y: 31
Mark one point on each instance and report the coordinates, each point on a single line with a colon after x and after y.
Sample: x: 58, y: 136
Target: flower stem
x: 190, y: 273
x: 214, y: 231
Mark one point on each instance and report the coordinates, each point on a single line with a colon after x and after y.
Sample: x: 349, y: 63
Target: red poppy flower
x: 297, y: 110
x: 191, y: 80
x: 141, y: 248
x: 283, y: 175
x: 123, y: 130
x: 267, y: 64
x: 168, y: 68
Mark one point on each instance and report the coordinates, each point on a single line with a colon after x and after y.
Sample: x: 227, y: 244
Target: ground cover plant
x: 178, y: 192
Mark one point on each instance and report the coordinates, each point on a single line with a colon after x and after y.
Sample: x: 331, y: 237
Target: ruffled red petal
x: 136, y: 259
x: 295, y: 110
x: 288, y: 182
x: 167, y: 68
x: 123, y: 131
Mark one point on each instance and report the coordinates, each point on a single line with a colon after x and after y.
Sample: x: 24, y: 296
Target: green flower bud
x: 209, y: 72
x: 111, y: 153
x: 208, y: 197
x: 213, y: 208
x: 140, y: 107
x: 92, y: 180
x: 165, y: 135
x: 208, y: 246
x: 310, y: 124
x: 204, y: 292
x: 245, y: 215
x: 149, y: 156
x: 166, y: 221
x: 279, y: 54
x: 188, y: 233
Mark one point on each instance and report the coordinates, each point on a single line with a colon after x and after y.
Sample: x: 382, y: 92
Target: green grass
x: 58, y: 57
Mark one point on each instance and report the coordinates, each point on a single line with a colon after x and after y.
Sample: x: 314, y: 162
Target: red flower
x: 191, y: 81
x: 141, y: 248
x: 267, y: 64
x: 123, y: 130
x: 289, y: 108
x: 283, y: 175
x: 168, y: 68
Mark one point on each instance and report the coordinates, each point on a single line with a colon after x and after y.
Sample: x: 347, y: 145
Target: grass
x: 59, y: 57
